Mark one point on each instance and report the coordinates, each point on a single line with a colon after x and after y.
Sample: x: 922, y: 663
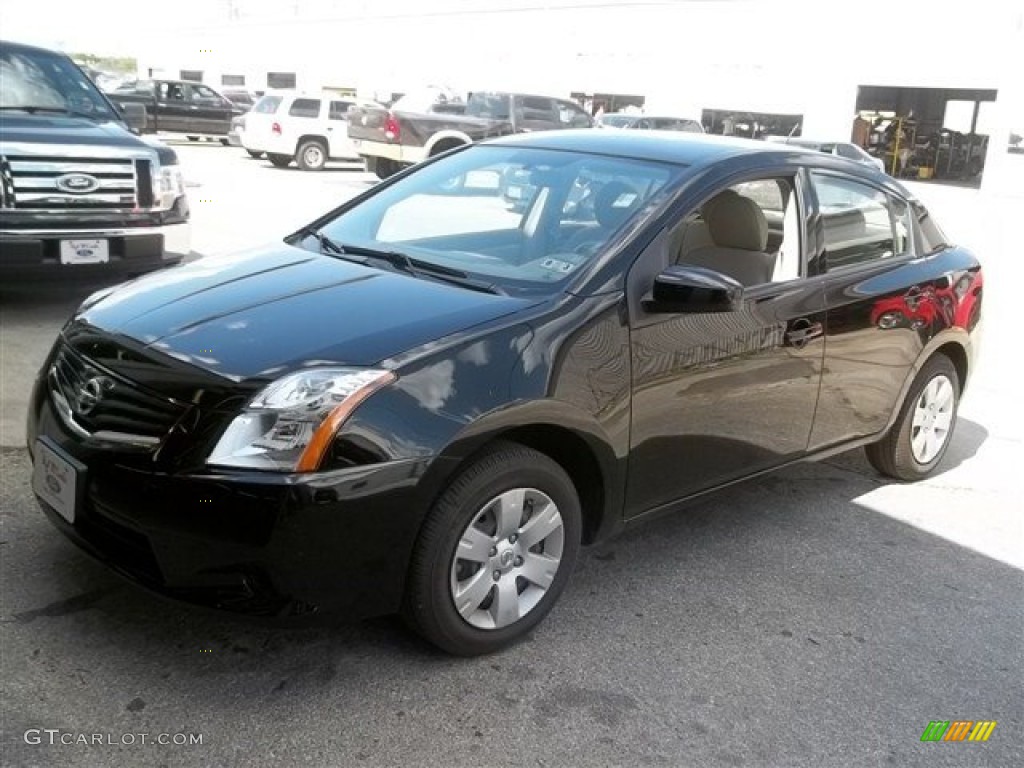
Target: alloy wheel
x: 933, y: 416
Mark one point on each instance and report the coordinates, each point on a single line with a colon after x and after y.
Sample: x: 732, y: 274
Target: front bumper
x: 31, y: 249
x: 249, y: 542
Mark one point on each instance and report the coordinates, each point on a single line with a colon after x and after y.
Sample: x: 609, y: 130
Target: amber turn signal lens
x: 321, y: 440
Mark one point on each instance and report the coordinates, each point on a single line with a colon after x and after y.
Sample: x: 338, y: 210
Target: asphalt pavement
x: 819, y: 617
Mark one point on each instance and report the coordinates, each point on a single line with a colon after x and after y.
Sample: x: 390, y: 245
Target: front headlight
x: 290, y: 424
x: 168, y: 186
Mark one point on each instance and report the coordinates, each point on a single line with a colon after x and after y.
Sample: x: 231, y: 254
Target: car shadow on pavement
x: 968, y: 437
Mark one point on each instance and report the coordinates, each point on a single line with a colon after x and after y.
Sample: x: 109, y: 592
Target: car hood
x: 261, y: 314
x: 20, y: 128
x: 56, y: 129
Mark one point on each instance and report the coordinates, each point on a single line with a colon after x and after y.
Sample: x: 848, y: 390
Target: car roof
x: 9, y: 45
x: 664, y: 146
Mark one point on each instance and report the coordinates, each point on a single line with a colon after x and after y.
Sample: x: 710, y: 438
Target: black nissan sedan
x: 427, y: 400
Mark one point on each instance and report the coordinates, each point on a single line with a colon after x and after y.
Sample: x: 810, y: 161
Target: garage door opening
x: 928, y: 134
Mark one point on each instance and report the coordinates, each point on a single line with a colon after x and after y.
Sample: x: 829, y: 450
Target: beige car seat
x: 739, y: 236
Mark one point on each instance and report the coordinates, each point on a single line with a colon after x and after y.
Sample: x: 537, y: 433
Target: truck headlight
x: 168, y: 186
x: 290, y: 424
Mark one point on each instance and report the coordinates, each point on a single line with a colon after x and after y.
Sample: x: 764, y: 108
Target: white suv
x: 307, y: 128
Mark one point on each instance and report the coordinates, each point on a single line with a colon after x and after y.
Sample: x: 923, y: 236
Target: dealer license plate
x: 84, y: 252
x: 55, y: 480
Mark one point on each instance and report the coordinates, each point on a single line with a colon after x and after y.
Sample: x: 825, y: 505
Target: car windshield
x: 39, y: 80
x: 524, y: 219
x: 618, y: 121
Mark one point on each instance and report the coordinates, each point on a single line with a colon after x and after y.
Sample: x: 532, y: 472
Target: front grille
x: 33, y: 182
x: 108, y: 406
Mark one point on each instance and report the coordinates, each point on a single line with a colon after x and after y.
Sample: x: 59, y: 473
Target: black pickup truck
x: 408, y: 132
x: 81, y: 195
x: 181, y: 106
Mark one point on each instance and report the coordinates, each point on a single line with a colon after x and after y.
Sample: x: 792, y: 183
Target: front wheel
x: 915, y: 445
x: 193, y: 138
x: 279, y: 161
x: 254, y: 153
x: 495, y: 552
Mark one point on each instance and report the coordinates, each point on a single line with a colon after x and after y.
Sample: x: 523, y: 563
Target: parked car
x: 411, y: 131
x: 307, y: 128
x: 629, y: 121
x: 846, y: 149
x: 181, y: 106
x: 81, y: 195
x: 424, y: 402
x: 241, y: 97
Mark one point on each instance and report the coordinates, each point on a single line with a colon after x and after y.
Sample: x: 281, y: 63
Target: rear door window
x: 861, y: 224
x: 339, y: 110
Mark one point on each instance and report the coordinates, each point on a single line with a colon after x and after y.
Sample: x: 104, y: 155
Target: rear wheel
x: 254, y: 153
x: 279, y: 161
x: 193, y: 138
x: 224, y: 142
x: 384, y: 167
x: 915, y: 445
x: 311, y: 155
x: 495, y: 552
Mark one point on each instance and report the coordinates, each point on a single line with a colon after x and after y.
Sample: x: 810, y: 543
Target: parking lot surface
x: 819, y: 617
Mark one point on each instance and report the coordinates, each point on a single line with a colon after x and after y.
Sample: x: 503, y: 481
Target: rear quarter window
x: 305, y: 108
x: 267, y: 105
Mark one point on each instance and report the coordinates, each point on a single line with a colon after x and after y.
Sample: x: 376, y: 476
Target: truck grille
x: 62, y: 183
x: 108, y: 407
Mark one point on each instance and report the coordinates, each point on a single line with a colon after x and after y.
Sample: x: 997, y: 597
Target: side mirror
x: 686, y: 289
x: 134, y: 116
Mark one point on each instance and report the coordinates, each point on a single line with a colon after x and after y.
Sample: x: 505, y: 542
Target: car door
x: 571, y: 115
x: 173, y: 111
x: 337, y: 129
x: 209, y: 112
x: 718, y: 396
x: 303, y: 120
x: 536, y: 113
x: 882, y: 308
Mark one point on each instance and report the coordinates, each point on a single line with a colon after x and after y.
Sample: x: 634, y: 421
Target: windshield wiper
x: 419, y: 268
x: 400, y: 261
x: 326, y: 244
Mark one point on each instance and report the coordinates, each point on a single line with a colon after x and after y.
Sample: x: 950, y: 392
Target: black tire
x: 279, y: 161
x: 312, y: 155
x: 893, y: 455
x: 429, y: 608
x: 224, y: 142
x: 384, y: 167
x: 193, y: 138
x: 254, y: 153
